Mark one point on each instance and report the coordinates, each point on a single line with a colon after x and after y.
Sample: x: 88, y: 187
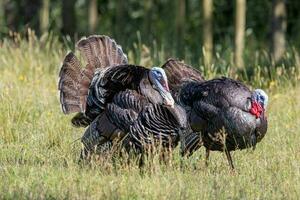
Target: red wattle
x: 256, y: 109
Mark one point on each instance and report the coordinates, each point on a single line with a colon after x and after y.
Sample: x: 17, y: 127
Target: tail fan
x: 74, y: 81
x: 101, y: 52
x: 178, y: 72
x: 69, y: 85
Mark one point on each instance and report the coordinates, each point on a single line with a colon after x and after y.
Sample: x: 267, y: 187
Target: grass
x: 39, y: 152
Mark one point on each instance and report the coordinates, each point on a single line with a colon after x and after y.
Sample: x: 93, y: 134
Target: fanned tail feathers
x: 101, y: 51
x: 69, y: 85
x: 178, y: 72
x: 74, y: 81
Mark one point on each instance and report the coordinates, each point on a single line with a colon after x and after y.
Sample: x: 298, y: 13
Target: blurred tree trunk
x: 22, y: 14
x: 240, y: 20
x: 180, y: 20
x: 120, y: 28
x: 207, y: 31
x: 11, y: 14
x: 147, y: 17
x: 31, y: 14
x: 1, y: 15
x: 68, y: 17
x: 93, y: 15
x: 278, y: 29
x: 44, y: 16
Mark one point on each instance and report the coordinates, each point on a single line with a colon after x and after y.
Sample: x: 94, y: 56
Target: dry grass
x: 38, y: 158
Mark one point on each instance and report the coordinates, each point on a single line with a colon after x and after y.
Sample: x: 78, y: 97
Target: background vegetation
x: 39, y: 147
x: 177, y: 26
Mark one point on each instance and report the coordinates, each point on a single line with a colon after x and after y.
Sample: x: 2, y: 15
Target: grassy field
x: 39, y: 148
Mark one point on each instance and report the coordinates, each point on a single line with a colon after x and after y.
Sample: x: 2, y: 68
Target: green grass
x: 39, y: 154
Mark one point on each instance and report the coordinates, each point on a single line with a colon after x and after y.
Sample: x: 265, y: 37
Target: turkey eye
x: 262, y: 98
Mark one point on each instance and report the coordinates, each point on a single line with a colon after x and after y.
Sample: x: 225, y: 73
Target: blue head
x: 159, y: 79
x: 260, y: 97
x: 259, y: 102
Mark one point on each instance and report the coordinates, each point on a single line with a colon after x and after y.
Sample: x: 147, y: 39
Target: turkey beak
x: 168, y: 100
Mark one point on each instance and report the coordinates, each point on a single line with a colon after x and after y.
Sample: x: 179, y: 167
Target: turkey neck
x: 146, y: 89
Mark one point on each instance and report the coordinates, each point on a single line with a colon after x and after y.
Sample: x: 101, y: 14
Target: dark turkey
x: 97, y: 94
x: 143, y: 124
x: 225, y: 112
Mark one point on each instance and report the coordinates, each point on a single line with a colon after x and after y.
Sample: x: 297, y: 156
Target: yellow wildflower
x: 272, y: 84
x: 21, y: 78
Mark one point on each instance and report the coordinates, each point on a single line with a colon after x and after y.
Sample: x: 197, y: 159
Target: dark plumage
x: 88, y: 90
x: 221, y: 110
x: 143, y: 123
x: 114, y: 97
x: 147, y: 123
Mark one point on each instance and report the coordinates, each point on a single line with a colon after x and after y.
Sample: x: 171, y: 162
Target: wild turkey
x: 88, y: 91
x: 226, y: 113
